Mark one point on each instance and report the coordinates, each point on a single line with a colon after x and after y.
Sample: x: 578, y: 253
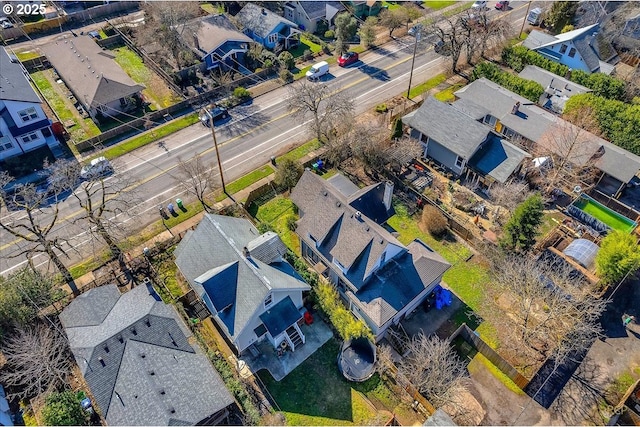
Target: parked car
x: 5, y: 23
x: 348, y: 58
x: 479, y: 5
x: 318, y: 70
x: 502, y: 5
x: 217, y: 112
x: 98, y: 167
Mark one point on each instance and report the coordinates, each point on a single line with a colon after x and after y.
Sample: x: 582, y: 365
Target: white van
x: 318, y: 70
x: 535, y: 16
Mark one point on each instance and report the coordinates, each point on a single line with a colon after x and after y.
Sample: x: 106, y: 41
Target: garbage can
x: 179, y: 203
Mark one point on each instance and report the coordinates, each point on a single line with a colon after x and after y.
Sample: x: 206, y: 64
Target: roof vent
x: 106, y: 349
x: 338, y: 204
x: 359, y: 215
x: 101, y: 360
x: 246, y: 253
x: 133, y: 331
x: 142, y: 355
x: 172, y: 410
x: 152, y: 373
x: 264, y: 12
x: 324, y: 193
x: 162, y: 392
x: 515, y: 108
x: 120, y: 339
x: 146, y: 322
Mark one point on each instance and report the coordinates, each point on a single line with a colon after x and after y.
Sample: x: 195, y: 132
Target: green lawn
x: 83, y: 128
x: 25, y: 55
x: 456, y: 10
x: 150, y: 136
x: 250, y: 178
x: 428, y: 85
x: 447, y: 94
x: 549, y: 222
x: 390, y: 5
x: 156, y: 91
x: 301, y: 151
x: 315, y: 393
x: 305, y: 44
x: 276, y: 212
x: 466, y: 278
x: 438, y: 4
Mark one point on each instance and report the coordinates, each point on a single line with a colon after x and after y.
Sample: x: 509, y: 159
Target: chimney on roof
x: 246, y: 253
x: 388, y: 193
x: 196, y: 42
x: 515, y: 108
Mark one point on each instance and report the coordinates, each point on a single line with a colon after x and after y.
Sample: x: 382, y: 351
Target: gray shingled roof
x: 268, y: 248
x: 537, y: 38
x: 448, y: 126
x: 343, y: 184
x: 261, y: 20
x: 618, y: 162
x: 470, y: 108
x: 212, y: 254
x: 318, y: 8
x: 134, y: 354
x: 548, y: 79
x: 498, y: 159
x: 14, y: 85
x: 530, y: 122
x: 90, y: 72
x: 212, y: 31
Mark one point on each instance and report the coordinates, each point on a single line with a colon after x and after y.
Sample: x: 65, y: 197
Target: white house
x: 23, y: 124
x: 582, y: 49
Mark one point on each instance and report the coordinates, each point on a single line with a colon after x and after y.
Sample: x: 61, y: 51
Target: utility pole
x: 215, y: 144
x: 524, y: 20
x: 413, y: 60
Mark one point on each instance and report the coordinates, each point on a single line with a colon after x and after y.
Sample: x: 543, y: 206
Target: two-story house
x: 557, y: 90
x: 267, y: 28
x: 364, y: 8
x: 23, y: 124
x: 252, y: 293
x: 582, y: 49
x: 307, y: 14
x: 216, y: 42
x: 520, y: 121
x: 95, y: 79
x: 341, y: 236
x: 457, y: 141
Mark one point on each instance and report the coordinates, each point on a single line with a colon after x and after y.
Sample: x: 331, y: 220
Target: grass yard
x: 447, y: 94
x: 456, y: 10
x: 428, y: 85
x: 549, y: 222
x: 250, y: 178
x: 301, y: 151
x: 156, y: 92
x: 438, y: 4
x: 305, y: 44
x: 276, y: 212
x: 315, y: 393
x: 390, y: 5
x: 82, y: 128
x: 466, y: 278
x: 25, y: 55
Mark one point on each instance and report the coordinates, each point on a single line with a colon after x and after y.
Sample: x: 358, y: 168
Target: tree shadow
x: 384, y: 52
x: 375, y: 72
x: 245, y: 118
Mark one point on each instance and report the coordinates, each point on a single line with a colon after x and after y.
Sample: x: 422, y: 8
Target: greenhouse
x: 583, y: 251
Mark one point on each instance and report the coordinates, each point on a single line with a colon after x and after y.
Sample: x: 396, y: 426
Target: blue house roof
x: 261, y: 21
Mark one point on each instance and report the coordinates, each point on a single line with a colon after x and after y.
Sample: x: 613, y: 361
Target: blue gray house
x: 240, y: 275
x: 217, y: 42
x: 267, y: 28
x: 342, y: 237
x: 136, y: 355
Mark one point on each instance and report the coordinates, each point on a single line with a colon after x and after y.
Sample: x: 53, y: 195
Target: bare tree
x: 36, y: 227
x: 197, y: 178
x: 38, y: 361
x: 434, y: 368
x: 550, y: 310
x: 452, y: 34
x: 480, y: 31
x: 316, y: 100
x: 168, y: 24
x: 508, y: 196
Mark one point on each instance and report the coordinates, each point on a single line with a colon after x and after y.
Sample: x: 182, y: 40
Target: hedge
x: 523, y: 87
x: 517, y: 57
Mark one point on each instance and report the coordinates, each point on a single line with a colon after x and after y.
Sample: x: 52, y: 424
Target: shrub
x: 381, y: 108
x: 291, y: 223
x: 241, y: 94
x: 321, y: 27
x: 286, y: 60
x: 433, y: 221
x: 397, y: 129
x: 285, y: 76
x: 307, y: 55
x: 329, y: 34
x: 343, y: 320
x: 63, y: 409
x: 567, y: 28
x: 288, y: 173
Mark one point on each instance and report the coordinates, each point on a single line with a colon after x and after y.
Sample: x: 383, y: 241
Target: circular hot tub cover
x: 357, y: 359
x: 583, y: 251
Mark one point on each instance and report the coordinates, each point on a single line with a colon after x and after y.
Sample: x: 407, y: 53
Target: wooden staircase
x: 294, y: 336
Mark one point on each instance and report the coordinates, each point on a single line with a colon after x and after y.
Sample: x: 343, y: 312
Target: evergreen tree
x: 63, y: 409
x: 346, y: 27
x: 618, y: 256
x: 522, y: 228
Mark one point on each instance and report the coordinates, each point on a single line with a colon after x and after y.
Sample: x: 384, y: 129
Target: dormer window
x: 268, y: 301
x: 563, y: 48
x: 28, y: 114
x: 572, y: 52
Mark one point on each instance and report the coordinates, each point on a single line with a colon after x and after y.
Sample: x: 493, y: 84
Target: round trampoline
x: 357, y: 359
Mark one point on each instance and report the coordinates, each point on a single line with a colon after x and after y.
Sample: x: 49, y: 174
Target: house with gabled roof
x: 307, y: 14
x: 93, y: 76
x: 24, y: 126
x: 267, y: 28
x: 517, y: 119
x: 252, y: 293
x: 342, y: 237
x: 557, y: 90
x: 137, y: 357
x: 216, y: 42
x: 582, y: 49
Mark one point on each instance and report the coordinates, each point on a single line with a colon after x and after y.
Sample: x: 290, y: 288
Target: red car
x: 348, y: 58
x: 502, y: 5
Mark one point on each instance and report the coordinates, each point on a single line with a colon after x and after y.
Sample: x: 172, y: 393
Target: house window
x: 459, y: 162
x: 28, y: 114
x: 572, y: 52
x: 490, y: 120
x: 268, y: 300
x: 272, y: 38
x: 7, y: 146
x: 508, y: 133
x: 33, y: 136
x: 563, y: 48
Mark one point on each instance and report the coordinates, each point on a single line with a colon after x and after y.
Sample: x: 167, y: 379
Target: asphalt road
x: 254, y: 133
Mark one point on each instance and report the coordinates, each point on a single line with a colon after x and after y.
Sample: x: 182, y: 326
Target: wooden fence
x: 478, y: 343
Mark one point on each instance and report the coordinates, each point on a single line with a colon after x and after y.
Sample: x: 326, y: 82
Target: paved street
x: 255, y: 133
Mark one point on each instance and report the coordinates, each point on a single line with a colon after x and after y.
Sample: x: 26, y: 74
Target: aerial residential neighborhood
x: 320, y: 213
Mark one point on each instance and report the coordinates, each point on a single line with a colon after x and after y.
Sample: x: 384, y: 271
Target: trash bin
x: 171, y: 209
x: 179, y: 203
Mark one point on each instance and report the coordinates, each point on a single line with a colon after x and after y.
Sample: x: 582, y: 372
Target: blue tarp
x: 444, y: 297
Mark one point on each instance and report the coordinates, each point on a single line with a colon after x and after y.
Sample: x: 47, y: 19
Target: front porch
x: 265, y: 356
